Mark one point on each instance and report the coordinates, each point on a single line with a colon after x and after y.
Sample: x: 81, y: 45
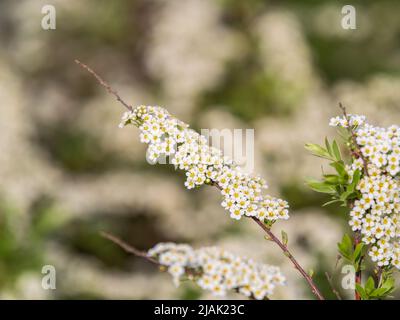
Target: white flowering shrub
x: 189, y: 151
x: 368, y: 183
x: 217, y: 270
x: 242, y: 193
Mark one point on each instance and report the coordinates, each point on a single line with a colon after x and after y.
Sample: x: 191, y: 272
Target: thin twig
x: 329, y: 278
x: 287, y: 253
x: 126, y: 247
x: 104, y: 84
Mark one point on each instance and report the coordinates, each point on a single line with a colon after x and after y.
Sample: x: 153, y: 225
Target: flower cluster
x: 376, y: 213
x: 217, y: 270
x: 189, y: 151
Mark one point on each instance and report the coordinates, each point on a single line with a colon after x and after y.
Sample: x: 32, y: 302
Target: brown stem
x: 127, y: 248
x: 287, y: 253
x: 104, y: 84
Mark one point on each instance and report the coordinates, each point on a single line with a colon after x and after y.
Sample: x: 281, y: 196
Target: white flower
x: 355, y: 224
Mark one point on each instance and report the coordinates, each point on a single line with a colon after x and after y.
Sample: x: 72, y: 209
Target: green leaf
x: 388, y: 284
x: 348, y: 194
x: 355, y: 181
x: 331, y: 179
x: 386, y: 288
x: 336, y: 151
x: 319, y: 186
x: 340, y: 168
x: 346, y: 247
x: 318, y: 151
x: 358, y: 253
x: 285, y: 237
x: 361, y: 292
x: 369, y: 286
x: 378, y: 293
x: 328, y: 147
x: 331, y: 202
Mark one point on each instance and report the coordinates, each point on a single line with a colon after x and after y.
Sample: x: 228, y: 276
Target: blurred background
x: 67, y: 172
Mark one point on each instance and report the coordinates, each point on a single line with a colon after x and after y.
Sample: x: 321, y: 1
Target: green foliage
x: 19, y: 253
x: 351, y: 254
x: 346, y: 247
x: 337, y: 185
x: 371, y: 291
x: 190, y: 292
x: 285, y: 238
x: 318, y: 151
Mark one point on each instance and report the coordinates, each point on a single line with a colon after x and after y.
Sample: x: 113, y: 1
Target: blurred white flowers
x: 217, y: 270
x: 188, y: 49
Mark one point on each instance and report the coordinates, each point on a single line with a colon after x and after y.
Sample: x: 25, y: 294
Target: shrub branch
x: 266, y: 229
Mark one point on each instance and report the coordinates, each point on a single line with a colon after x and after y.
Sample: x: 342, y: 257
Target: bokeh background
x: 67, y: 172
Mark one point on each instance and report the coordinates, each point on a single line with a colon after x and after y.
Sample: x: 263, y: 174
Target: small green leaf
x: 331, y: 179
x: 346, y: 247
x: 356, y: 178
x: 348, y: 194
x: 320, y: 186
x: 285, y: 237
x: 369, y: 286
x: 361, y: 292
x: 378, y: 293
x: 330, y: 202
x: 328, y: 147
x: 358, y: 253
x: 336, y: 151
x: 388, y: 284
x: 340, y: 168
x: 318, y: 151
